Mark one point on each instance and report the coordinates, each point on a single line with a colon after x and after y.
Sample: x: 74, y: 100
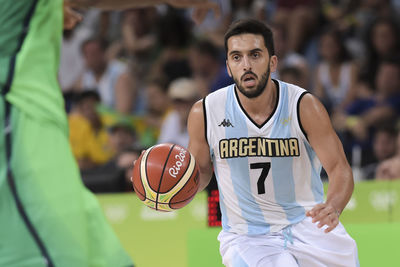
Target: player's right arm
x: 198, y: 145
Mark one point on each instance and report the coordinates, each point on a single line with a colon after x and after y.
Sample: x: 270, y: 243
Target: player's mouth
x: 249, y: 80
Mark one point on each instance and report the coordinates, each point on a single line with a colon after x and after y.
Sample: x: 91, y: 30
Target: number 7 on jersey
x: 265, y: 166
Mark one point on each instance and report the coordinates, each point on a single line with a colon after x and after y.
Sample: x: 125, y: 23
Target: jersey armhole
x: 205, y: 119
x: 298, y: 113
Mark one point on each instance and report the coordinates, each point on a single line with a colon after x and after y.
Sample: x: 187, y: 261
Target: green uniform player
x: 48, y: 218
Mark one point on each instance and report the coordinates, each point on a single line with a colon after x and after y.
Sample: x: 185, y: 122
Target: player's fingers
x: 328, y: 217
x: 315, y: 210
x: 323, y: 219
x: 141, y: 154
x: 332, y: 225
x: 320, y: 216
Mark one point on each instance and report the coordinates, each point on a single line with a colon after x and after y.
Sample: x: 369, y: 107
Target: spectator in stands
x: 122, y: 136
x: 289, y: 59
x: 208, y: 68
x: 148, y: 124
x: 184, y: 93
x: 71, y: 61
x: 384, y: 147
x: 111, y: 79
x: 292, y: 75
x: 139, y: 38
x: 241, y: 9
x: 127, y: 150
x: 357, y: 124
x: 213, y: 28
x: 112, y: 175
x: 383, y: 105
x: 173, y: 36
x: 382, y: 41
x: 299, y: 18
x: 88, y: 137
x: 390, y: 168
x: 336, y: 74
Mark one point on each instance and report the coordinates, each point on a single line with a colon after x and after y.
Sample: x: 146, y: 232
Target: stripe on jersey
x: 224, y: 219
x: 284, y: 186
x: 239, y: 167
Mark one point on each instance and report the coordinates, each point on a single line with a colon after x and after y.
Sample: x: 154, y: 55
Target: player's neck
x: 261, y: 107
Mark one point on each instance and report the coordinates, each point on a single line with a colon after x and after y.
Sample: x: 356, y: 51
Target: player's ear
x: 273, y: 63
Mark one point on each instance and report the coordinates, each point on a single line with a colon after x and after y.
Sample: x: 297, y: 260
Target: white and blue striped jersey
x: 268, y: 175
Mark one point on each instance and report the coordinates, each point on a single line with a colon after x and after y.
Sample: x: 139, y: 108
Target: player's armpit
x: 198, y: 145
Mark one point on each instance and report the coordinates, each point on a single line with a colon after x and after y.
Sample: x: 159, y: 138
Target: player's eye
x: 236, y: 57
x: 256, y: 55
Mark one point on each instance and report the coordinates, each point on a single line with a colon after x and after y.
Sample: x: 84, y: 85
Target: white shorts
x: 302, y: 244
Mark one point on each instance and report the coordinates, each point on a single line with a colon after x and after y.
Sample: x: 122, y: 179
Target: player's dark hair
x: 254, y: 27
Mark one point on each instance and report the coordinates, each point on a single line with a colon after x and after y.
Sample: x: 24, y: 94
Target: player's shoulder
x: 310, y: 106
x: 291, y: 88
x: 219, y: 94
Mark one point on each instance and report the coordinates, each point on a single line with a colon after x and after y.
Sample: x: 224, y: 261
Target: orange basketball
x: 166, y: 177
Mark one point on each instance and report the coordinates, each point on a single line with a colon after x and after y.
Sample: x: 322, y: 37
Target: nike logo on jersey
x: 226, y: 123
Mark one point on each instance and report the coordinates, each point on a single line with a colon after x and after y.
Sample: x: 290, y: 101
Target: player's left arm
x: 323, y: 139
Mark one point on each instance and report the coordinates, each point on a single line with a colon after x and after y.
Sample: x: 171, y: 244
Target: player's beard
x: 260, y: 87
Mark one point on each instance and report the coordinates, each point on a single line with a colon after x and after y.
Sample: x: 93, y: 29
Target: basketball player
x: 266, y: 140
x: 47, y: 216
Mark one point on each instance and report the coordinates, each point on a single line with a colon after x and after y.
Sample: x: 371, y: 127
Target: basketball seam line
x: 162, y: 173
x: 181, y: 176
x: 169, y: 202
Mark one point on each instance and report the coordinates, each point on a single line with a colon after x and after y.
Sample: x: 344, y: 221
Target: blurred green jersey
x: 48, y: 217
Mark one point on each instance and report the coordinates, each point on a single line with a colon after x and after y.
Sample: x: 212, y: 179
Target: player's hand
x: 201, y: 8
x: 324, y: 214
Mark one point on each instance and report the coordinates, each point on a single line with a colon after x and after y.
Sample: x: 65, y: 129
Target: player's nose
x: 246, y: 64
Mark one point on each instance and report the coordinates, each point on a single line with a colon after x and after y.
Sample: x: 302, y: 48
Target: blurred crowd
x: 129, y: 77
